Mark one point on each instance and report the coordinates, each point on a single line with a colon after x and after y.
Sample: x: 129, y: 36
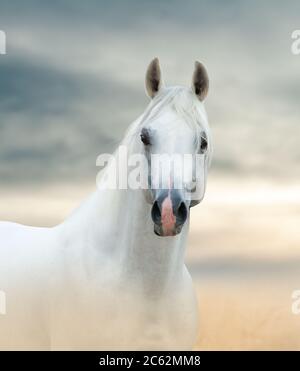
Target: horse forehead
x: 170, y: 123
x: 175, y: 142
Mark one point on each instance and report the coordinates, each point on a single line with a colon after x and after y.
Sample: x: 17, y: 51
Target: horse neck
x: 117, y: 225
x: 157, y: 262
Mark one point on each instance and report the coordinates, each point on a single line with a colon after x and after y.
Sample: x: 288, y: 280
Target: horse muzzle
x: 169, y: 213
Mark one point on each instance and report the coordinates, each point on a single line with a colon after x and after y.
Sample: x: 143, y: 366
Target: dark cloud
x: 46, y: 128
x: 34, y: 89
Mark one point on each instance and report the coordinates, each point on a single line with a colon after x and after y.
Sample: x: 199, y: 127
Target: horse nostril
x: 181, y: 214
x: 155, y: 213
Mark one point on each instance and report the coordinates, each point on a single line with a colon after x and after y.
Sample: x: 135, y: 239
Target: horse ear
x: 200, y: 82
x: 153, y: 81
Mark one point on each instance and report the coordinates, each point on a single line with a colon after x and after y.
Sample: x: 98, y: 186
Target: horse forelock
x: 187, y: 106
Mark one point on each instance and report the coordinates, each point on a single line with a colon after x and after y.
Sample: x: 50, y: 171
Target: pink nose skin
x: 168, y: 219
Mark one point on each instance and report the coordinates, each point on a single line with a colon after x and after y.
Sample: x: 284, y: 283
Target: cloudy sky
x: 72, y: 81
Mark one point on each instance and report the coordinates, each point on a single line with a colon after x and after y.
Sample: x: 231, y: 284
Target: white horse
x: 113, y: 274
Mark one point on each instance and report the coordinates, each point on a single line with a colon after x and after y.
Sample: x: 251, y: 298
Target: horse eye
x: 203, y: 145
x: 145, y: 137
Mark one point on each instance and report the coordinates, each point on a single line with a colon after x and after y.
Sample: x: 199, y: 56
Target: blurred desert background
x: 71, y: 83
